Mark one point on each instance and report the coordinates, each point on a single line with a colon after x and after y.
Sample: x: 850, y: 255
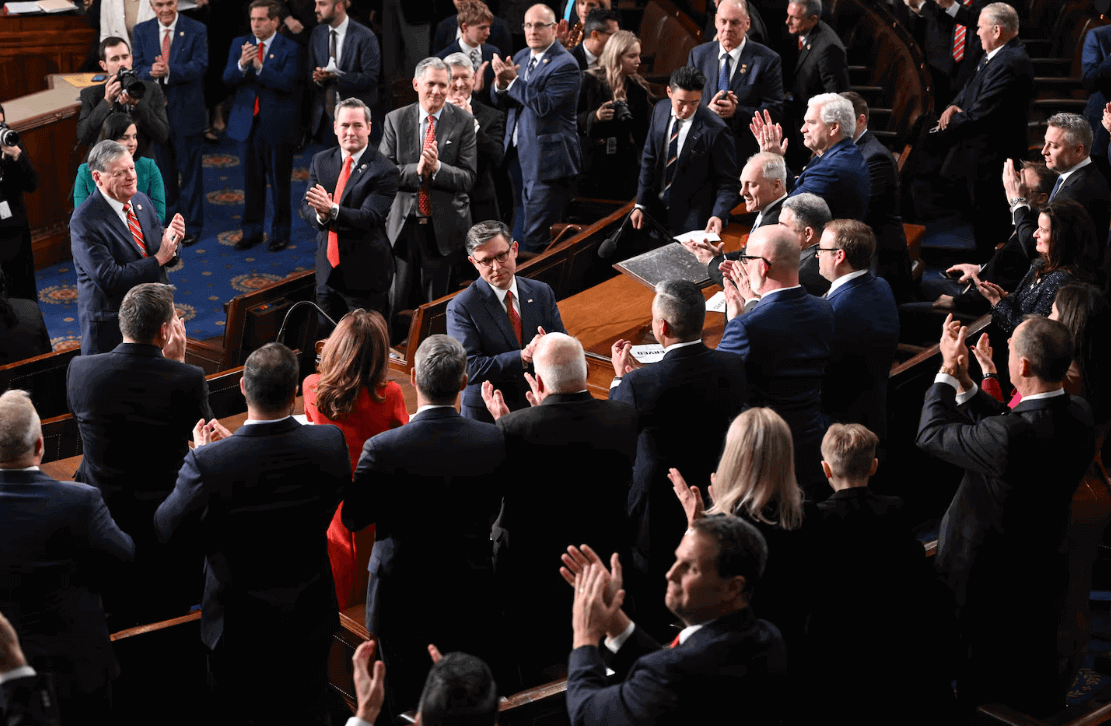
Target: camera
x: 130, y: 83
x: 621, y: 111
x: 7, y: 136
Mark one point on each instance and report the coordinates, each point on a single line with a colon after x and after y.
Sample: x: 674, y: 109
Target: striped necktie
x: 960, y: 32
x: 136, y: 230
x: 672, y: 158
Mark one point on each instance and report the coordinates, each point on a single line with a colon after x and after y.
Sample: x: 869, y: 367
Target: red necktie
x: 675, y: 642
x: 333, y: 238
x: 136, y: 230
x: 166, y: 47
x: 800, y: 42
x: 424, y: 203
x: 514, y: 318
x: 260, y: 46
x: 959, y: 34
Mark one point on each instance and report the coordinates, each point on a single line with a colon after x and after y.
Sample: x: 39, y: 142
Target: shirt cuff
x: 614, y: 644
x: 951, y: 381
x: 20, y: 672
x: 951, y: 11
x: 356, y: 721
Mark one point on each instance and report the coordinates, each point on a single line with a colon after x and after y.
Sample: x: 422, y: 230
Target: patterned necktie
x: 476, y: 58
x: 672, y: 157
x: 674, y: 643
x: 531, y: 66
x: 333, y: 238
x: 959, y: 34
x: 260, y: 49
x: 424, y: 202
x: 514, y: 318
x: 723, y: 75
x: 165, y: 50
x: 1056, y: 187
x: 136, y: 230
x: 800, y: 42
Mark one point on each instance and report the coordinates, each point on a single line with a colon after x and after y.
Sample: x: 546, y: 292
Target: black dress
x: 611, y: 149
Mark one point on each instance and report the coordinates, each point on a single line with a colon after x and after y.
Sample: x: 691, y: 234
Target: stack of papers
x: 42, y: 6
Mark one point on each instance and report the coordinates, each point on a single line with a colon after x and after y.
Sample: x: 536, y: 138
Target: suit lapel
x: 697, y: 127
x: 119, y: 227
x: 356, y: 173
x: 498, y: 315
x: 744, y: 64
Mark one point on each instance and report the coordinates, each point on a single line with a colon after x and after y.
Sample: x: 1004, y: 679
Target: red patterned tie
x: 514, y: 318
x: 166, y: 47
x: 260, y: 47
x: 959, y: 34
x: 800, y: 42
x: 136, y: 230
x: 424, y: 203
x: 333, y: 238
x: 675, y: 642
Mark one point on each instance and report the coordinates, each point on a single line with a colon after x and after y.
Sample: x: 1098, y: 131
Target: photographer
x: 614, y: 113
x: 16, y: 177
x: 126, y: 93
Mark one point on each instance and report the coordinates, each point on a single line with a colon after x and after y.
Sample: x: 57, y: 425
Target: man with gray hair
x: 117, y: 243
x: 490, y: 179
x: 431, y: 488
x: 433, y: 144
x: 52, y: 532
x: 565, y: 433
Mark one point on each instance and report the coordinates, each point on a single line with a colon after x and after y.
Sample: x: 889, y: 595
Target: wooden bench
x: 255, y: 318
x: 44, y: 377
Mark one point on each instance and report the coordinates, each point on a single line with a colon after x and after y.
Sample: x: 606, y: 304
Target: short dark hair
x: 687, y: 78
x: 682, y: 305
x: 742, y: 550
x: 1046, y: 177
x: 111, y: 42
x: 860, y: 106
x: 483, y: 232
x: 856, y: 240
x: 1047, y: 345
x: 270, y: 377
x: 440, y: 364
x: 273, y: 10
x: 144, y: 309
x: 598, y: 18
x: 459, y: 691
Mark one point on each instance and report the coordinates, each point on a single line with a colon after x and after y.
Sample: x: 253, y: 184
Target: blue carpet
x: 212, y: 271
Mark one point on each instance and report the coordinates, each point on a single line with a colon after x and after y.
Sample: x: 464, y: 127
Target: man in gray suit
x: 433, y: 144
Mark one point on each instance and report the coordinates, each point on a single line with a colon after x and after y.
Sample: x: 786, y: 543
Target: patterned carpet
x: 212, y: 271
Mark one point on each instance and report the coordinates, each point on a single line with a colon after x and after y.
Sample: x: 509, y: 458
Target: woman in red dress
x: 351, y: 392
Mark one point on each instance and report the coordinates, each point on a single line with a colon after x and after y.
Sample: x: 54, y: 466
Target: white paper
x: 697, y: 235
x: 716, y: 304
x: 647, y: 353
x: 298, y: 417
x: 186, y: 5
x: 56, y: 6
x: 5, y: 210
x: 333, y: 68
x: 21, y: 8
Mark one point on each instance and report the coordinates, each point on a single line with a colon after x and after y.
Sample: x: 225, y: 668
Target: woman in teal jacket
x: 120, y: 127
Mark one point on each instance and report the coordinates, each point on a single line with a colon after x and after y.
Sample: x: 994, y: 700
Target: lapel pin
x: 807, y: 47
x: 362, y: 167
x: 744, y: 68
x: 547, y: 59
x: 181, y: 33
x: 272, y: 55
x: 529, y: 300
x: 139, y: 207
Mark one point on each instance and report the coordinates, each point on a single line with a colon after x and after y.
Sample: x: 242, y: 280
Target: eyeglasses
x: 537, y: 26
x: 754, y: 257
x: 825, y: 249
x: 501, y: 259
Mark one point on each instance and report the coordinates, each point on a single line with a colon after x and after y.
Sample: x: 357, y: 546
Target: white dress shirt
x: 734, y: 59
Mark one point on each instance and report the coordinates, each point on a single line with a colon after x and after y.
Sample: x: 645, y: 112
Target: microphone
x: 609, y: 245
x: 296, y: 305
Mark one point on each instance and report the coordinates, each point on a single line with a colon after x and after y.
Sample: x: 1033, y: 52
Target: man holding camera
x: 17, y: 175
x: 123, y: 91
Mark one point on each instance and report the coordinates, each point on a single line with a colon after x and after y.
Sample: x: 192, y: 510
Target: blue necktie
x: 723, y: 76
x: 531, y: 65
x: 672, y: 157
x: 1056, y: 187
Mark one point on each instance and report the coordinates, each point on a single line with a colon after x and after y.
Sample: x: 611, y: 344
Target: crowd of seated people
x: 732, y: 481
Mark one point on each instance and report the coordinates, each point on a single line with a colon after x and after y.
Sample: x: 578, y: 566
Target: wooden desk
x: 34, y: 46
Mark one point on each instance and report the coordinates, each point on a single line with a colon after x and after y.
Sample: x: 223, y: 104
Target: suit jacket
x: 449, y: 187
x: 840, y: 176
x: 770, y: 215
x: 478, y: 320
x: 273, y: 86
x: 821, y: 66
x: 705, y: 181
x: 16, y: 177
x: 1085, y: 186
x: 360, y: 61
x: 488, y: 51
x: 29, y: 701
x: 1096, y: 74
x: 360, y: 225
x: 935, y: 27
x: 28, y: 337
x: 150, y: 117
x: 264, y: 499
x: 580, y: 57
x: 188, y: 63
x: 809, y: 276
x: 863, y: 349
x: 734, y: 659
x: 757, y: 81
x: 109, y: 264
x: 785, y: 342
x: 490, y: 151
x: 691, y: 378
x: 57, y: 541
x: 448, y: 29
x: 892, y: 257
x: 542, y: 110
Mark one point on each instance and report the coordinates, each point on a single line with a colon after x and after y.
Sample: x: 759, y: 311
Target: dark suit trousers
x: 182, y: 155
x: 266, y: 163
x: 337, y: 303
x: 540, y: 204
x: 422, y: 273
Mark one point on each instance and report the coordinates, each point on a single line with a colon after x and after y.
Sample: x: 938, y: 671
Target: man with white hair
x: 565, y: 433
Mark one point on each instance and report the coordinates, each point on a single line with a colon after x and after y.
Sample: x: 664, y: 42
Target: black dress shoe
x: 189, y: 240
x: 247, y: 243
x: 277, y: 245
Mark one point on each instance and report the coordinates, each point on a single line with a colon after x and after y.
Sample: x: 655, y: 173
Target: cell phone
x: 100, y: 77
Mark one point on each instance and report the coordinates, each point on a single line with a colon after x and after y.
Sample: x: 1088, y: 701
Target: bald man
x: 784, y: 340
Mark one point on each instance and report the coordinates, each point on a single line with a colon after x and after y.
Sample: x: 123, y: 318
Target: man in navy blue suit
x: 263, y: 500
x: 688, y: 171
x: 867, y: 332
x: 724, y: 658
x: 474, y: 30
x: 179, y: 73
x: 340, y: 43
x: 117, y: 243
x: 742, y: 76
x: 499, y: 319
x: 57, y: 543
x: 353, y: 263
x: 1096, y: 69
x: 448, y: 31
x: 785, y: 341
x: 689, y: 377
x: 264, y: 68
x: 541, y: 129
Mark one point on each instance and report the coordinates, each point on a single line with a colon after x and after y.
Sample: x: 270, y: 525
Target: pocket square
x: 447, y: 142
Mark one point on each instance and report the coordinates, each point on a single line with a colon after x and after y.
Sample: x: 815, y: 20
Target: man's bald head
x: 776, y: 245
x: 560, y: 363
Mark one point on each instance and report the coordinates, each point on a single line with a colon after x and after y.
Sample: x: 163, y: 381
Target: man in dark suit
x: 499, y: 319
x: 742, y: 76
x: 567, y: 432
x: 448, y: 31
x: 474, y: 28
x: 263, y: 500
x: 433, y: 144
x: 98, y: 102
x: 689, y: 377
x: 341, y: 44
x: 784, y: 341
x: 117, y: 243
x: 172, y: 51
x: 986, y: 124
x: 353, y: 264
x: 1096, y: 74
x: 1009, y: 516
x: 600, y: 24
x: 867, y: 332
x: 57, y: 543
x: 821, y: 66
x: 456, y: 464
x: 541, y: 130
x: 723, y: 656
x: 947, y: 31
x: 489, y: 134
x: 17, y: 259
x: 263, y: 68
x: 688, y: 171
x: 804, y: 216
x: 136, y: 407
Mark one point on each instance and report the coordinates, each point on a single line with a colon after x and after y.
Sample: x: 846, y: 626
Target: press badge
x: 5, y: 210
x: 611, y: 145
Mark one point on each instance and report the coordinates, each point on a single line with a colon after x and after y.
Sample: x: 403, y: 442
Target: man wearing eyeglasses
x: 785, y: 341
x: 499, y: 320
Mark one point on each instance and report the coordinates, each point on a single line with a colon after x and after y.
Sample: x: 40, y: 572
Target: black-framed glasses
x: 825, y: 249
x: 500, y: 258
x: 538, y: 26
x: 754, y: 257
